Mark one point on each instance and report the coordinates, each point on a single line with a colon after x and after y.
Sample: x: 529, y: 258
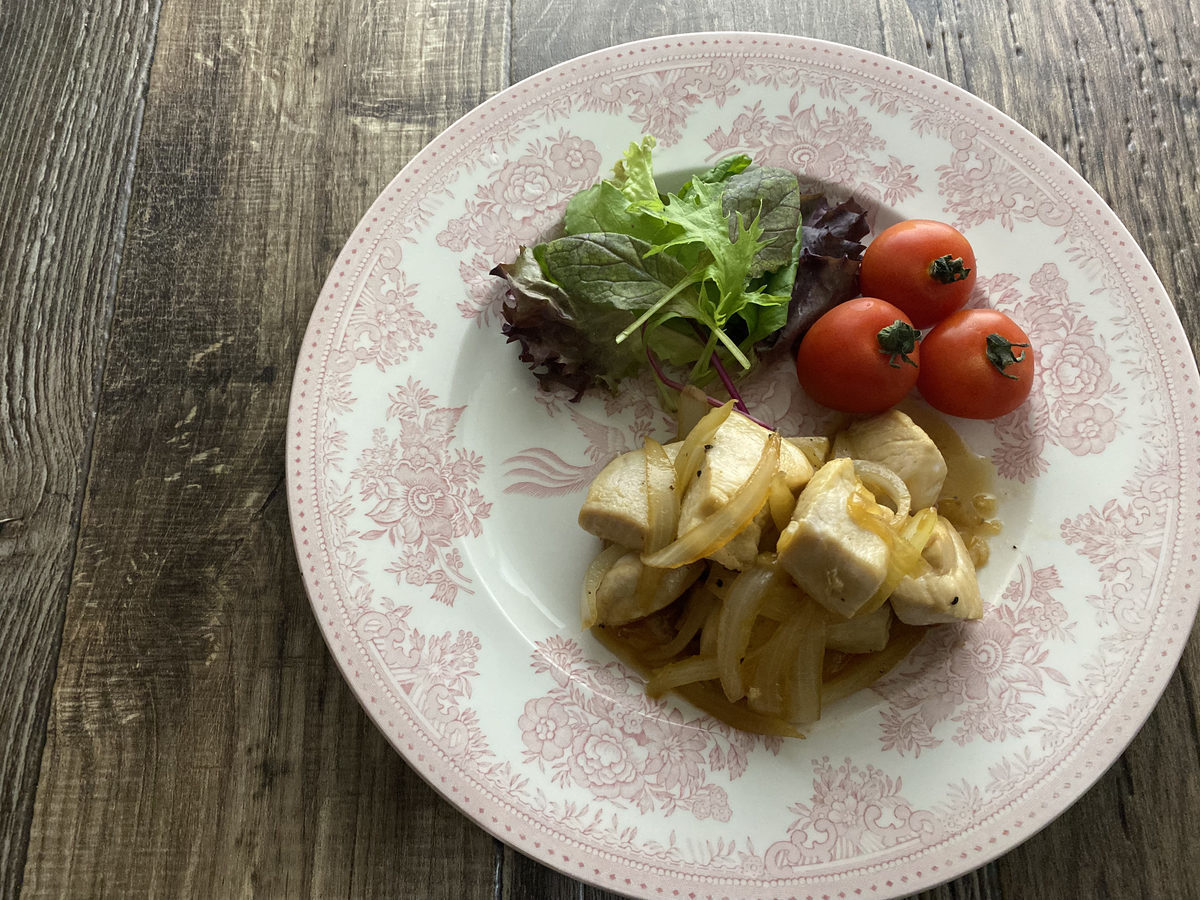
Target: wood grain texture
x: 156, y: 276
x: 70, y: 107
x: 196, y: 706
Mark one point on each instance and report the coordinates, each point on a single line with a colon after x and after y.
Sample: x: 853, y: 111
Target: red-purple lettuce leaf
x: 570, y: 342
x: 826, y: 270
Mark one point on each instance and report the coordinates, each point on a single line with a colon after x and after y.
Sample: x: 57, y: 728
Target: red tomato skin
x: 958, y: 379
x: 839, y: 363
x: 895, y: 267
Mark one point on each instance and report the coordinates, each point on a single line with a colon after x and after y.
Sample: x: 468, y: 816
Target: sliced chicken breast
x: 839, y: 563
x: 949, y: 592
x: 892, y: 439
x: 728, y: 463
x: 615, y: 507
x: 617, y: 597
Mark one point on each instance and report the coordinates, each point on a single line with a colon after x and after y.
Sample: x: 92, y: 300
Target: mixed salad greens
x: 706, y: 279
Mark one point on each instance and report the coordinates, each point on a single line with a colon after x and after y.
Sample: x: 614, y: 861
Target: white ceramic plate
x: 434, y: 492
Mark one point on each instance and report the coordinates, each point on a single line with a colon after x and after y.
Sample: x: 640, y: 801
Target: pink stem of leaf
x: 712, y: 401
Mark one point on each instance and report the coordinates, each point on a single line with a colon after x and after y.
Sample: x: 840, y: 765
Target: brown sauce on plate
x: 968, y: 498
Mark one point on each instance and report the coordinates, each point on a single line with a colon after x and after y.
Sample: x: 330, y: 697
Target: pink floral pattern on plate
x: 386, y: 327
x: 660, y: 103
x: 436, y: 673
x: 421, y: 493
x: 433, y: 494
x: 980, y: 185
x: 853, y: 812
x: 515, y: 205
x: 597, y: 729
x: 1077, y: 404
x: 979, y: 675
x: 832, y: 147
x: 543, y: 472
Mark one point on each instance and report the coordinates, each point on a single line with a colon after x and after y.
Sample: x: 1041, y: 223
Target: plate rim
x: 495, y: 825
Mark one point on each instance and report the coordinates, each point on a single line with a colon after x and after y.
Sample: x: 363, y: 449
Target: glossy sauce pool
x: 968, y: 497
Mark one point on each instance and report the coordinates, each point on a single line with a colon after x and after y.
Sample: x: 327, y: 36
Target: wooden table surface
x: 176, y: 178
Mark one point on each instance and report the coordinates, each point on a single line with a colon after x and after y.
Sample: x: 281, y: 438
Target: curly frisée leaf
x: 728, y: 248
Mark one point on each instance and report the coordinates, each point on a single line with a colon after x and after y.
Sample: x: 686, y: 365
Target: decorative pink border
x: 1041, y: 801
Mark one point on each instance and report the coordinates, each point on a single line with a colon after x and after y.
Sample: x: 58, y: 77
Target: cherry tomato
x: 926, y: 268
x: 977, y: 364
x: 860, y: 357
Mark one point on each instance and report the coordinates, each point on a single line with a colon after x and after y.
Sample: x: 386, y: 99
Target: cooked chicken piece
x: 839, y: 563
x: 894, y: 440
x: 728, y: 463
x: 949, y: 592
x: 811, y: 446
x: 742, y: 548
x: 616, y: 508
x: 863, y: 634
x: 617, y: 597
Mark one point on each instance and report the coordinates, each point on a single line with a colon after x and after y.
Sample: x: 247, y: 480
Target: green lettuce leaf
x: 773, y: 197
x: 722, y: 171
x: 568, y: 337
x: 609, y: 270
x: 634, y: 175
x: 605, y: 208
x: 702, y: 278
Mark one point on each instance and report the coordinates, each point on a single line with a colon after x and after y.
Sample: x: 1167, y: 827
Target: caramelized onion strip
x: 684, y: 671
x: 693, y: 405
x: 709, y: 697
x: 766, y: 691
x: 662, y: 498
x: 905, y: 541
x: 865, y: 669
x: 804, y: 693
x: 715, y: 531
x: 738, y: 615
x: 596, y: 571
x: 690, y: 458
x: 781, y: 502
x: 700, y: 603
x: 882, y: 481
x: 662, y: 517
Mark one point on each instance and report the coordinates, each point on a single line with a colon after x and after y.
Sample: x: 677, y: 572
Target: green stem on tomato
x: 898, y: 340
x: 1000, y: 354
x: 948, y: 269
